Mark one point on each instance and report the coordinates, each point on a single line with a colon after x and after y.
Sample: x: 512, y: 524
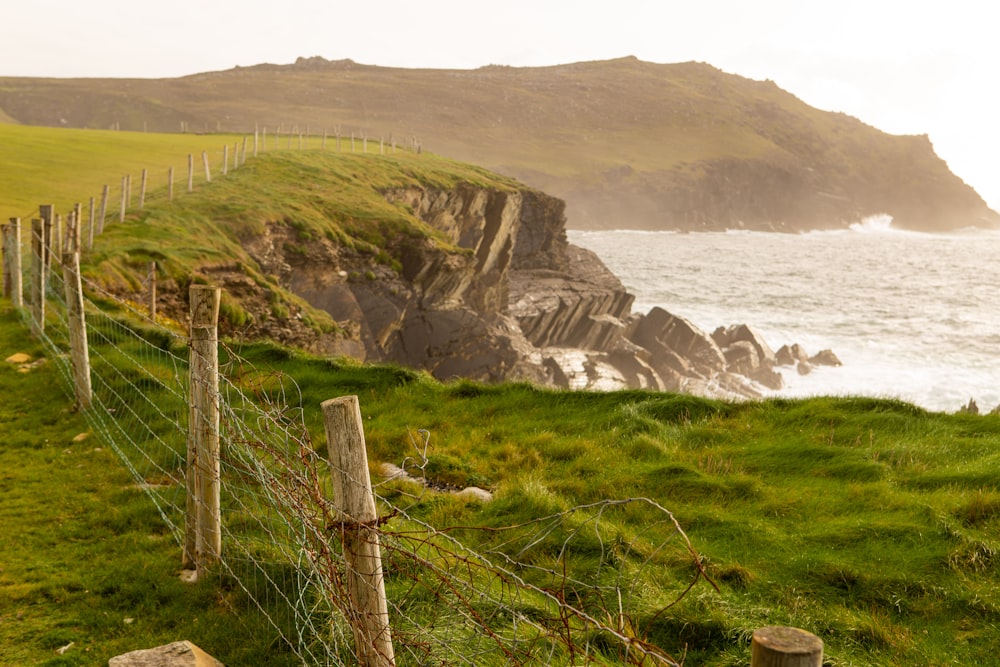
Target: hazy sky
x: 905, y: 67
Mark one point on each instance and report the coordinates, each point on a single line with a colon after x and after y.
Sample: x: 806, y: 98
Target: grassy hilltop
x: 628, y: 144
x: 869, y: 522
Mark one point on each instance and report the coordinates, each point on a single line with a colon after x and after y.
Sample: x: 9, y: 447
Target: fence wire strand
x: 569, y: 588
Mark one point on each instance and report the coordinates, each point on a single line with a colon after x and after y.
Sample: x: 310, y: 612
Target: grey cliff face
x: 510, y: 300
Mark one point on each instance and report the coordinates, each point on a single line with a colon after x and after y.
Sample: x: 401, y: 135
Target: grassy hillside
x: 871, y: 523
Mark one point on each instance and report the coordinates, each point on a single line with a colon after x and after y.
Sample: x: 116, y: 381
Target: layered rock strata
x: 511, y: 300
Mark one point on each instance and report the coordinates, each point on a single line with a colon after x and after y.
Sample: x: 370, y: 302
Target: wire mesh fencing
x: 575, y: 587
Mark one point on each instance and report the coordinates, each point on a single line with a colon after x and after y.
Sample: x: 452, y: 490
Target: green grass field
x: 871, y: 523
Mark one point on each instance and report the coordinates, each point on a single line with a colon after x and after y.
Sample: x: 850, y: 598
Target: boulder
x: 825, y: 358
x: 745, y: 333
x: 178, y: 654
x: 789, y: 355
x: 682, y: 338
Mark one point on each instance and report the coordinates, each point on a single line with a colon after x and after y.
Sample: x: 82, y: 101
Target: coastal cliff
x: 511, y: 300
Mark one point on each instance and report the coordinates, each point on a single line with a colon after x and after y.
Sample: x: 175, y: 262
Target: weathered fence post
x: 152, y: 291
x: 37, y: 277
x: 170, y: 184
x: 12, y: 262
x: 105, y: 193
x: 48, y: 220
x: 256, y: 139
x: 79, y: 355
x: 142, y: 190
x: 243, y: 161
x: 5, y: 234
x: 203, y: 534
x: 208, y: 172
x: 778, y: 646
x: 352, y: 493
x: 225, y: 159
x: 90, y: 227
x: 190, y: 172
x: 124, y: 202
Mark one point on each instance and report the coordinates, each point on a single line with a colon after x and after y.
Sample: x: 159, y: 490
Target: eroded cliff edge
x: 509, y: 300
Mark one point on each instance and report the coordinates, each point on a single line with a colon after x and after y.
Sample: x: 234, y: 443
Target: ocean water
x: 912, y: 316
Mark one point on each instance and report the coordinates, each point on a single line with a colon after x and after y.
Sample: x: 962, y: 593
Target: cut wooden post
x: 12, y: 262
x: 47, y: 212
x: 352, y: 493
x: 128, y: 190
x: 77, y: 226
x: 104, y: 208
x: 73, y: 287
x: 7, y: 263
x: 170, y: 184
x: 142, y: 190
x: 121, y: 211
x: 208, y: 172
x: 37, y: 278
x: 90, y: 226
x: 152, y: 291
x: 225, y: 159
x: 778, y: 646
x: 56, y: 238
x: 203, y: 432
x: 243, y: 161
x: 190, y: 172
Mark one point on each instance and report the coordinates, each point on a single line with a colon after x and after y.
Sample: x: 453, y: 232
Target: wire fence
x: 569, y: 588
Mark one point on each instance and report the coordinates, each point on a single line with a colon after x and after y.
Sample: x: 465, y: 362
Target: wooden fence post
x: 37, y: 277
x: 190, y: 172
x: 79, y: 354
x: 105, y: 193
x: 778, y: 646
x: 203, y: 533
x: 142, y: 190
x: 152, y: 291
x: 208, y: 173
x: 170, y: 184
x: 47, y: 211
x: 90, y: 227
x: 124, y: 202
x: 352, y: 492
x: 256, y: 139
x: 225, y: 159
x: 243, y: 161
x: 7, y: 268
x: 12, y: 262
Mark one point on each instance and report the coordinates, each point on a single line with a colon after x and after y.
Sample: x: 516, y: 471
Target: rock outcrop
x: 510, y: 300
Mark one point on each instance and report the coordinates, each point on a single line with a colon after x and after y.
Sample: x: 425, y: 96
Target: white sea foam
x: 912, y: 315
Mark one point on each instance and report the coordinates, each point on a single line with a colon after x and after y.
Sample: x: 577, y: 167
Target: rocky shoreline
x: 517, y: 302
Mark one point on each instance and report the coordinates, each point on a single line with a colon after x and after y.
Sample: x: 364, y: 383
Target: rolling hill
x: 627, y: 144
